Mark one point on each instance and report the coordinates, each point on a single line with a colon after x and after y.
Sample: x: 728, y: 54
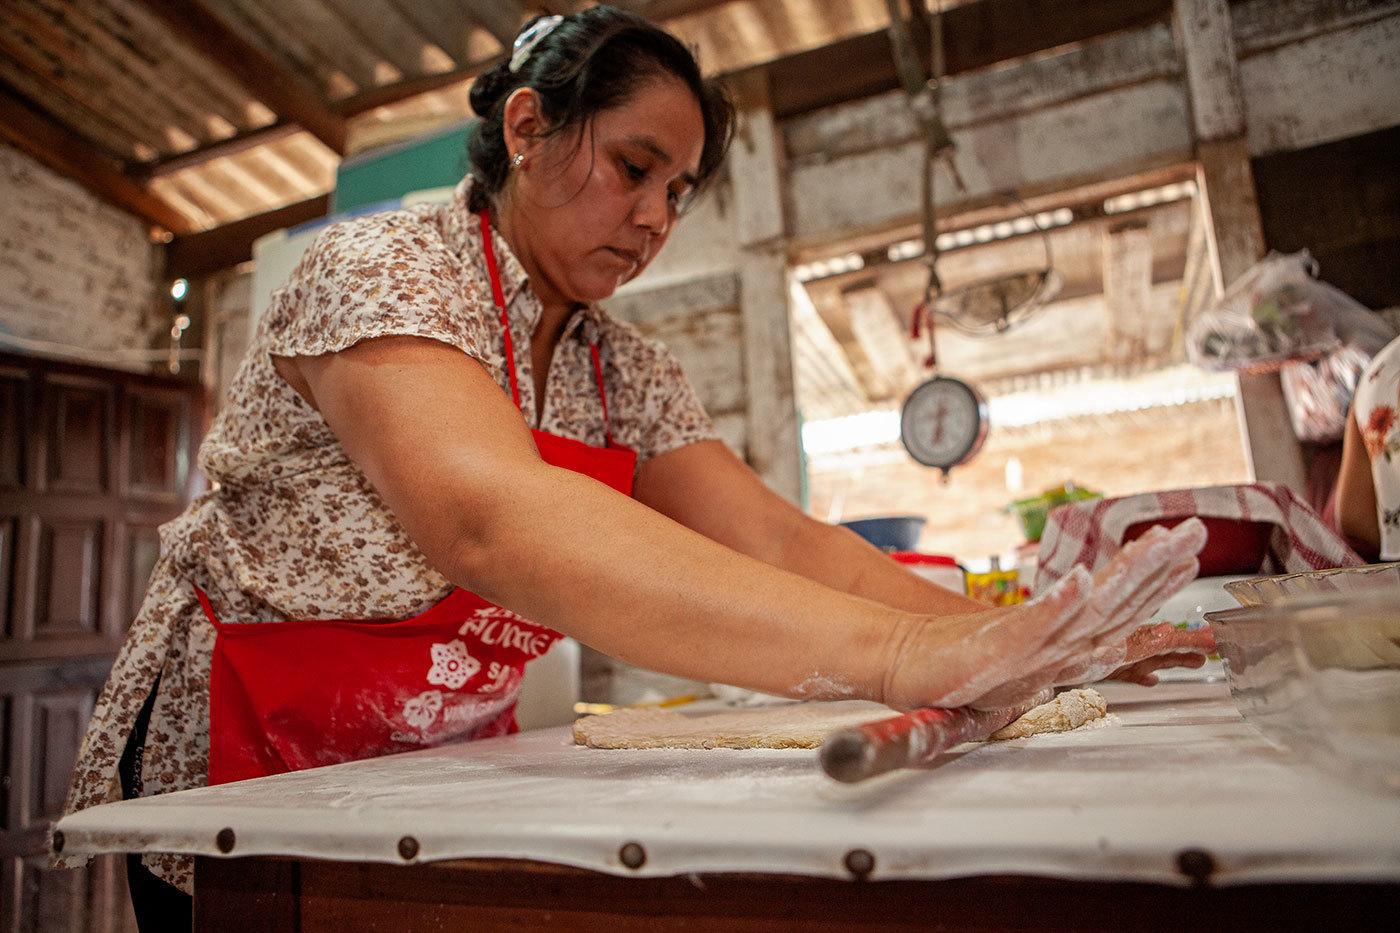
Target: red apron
x: 299, y: 694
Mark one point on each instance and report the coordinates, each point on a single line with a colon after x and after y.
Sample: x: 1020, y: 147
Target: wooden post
x: 1127, y: 289
x: 1236, y: 234
x: 755, y: 167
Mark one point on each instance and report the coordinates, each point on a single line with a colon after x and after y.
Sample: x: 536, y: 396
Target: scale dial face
x: 943, y: 422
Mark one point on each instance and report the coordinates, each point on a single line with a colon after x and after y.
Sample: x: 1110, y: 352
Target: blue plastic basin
x: 889, y: 533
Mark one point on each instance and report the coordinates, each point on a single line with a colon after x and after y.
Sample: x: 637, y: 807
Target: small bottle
x: 997, y: 587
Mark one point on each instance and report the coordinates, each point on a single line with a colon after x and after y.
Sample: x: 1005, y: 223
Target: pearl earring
x: 517, y: 160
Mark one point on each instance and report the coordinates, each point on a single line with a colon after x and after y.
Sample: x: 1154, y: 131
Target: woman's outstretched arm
x: 707, y: 488
x: 453, y: 460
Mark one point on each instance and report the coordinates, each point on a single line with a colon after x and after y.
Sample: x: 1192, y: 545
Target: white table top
x: 1172, y: 768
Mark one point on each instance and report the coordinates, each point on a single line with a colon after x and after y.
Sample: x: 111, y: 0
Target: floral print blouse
x: 291, y: 528
x: 1377, y: 399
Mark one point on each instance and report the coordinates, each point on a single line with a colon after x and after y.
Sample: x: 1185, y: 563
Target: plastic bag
x: 1277, y: 312
x: 1318, y: 395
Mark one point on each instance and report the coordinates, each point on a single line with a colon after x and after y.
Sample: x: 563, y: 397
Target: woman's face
x: 590, y: 209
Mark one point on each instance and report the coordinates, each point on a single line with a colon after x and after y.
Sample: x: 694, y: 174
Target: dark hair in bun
x: 592, y: 61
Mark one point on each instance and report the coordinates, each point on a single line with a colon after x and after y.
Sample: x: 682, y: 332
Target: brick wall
x: 73, y: 269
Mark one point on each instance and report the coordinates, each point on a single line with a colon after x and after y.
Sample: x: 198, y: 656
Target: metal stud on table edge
x: 1196, y: 864
x: 632, y: 855
x: 860, y: 863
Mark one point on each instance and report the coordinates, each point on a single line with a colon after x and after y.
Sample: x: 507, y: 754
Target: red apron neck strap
x: 208, y: 606
x: 499, y: 297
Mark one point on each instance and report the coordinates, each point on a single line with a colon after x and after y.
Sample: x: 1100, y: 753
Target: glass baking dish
x: 1260, y: 590
x: 1321, y: 674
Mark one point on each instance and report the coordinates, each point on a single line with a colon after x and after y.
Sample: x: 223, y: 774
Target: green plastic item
x: 1034, y: 511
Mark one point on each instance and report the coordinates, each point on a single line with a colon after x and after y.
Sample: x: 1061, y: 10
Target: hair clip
x: 525, y: 42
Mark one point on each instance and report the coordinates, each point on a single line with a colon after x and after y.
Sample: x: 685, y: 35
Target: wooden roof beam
x: 70, y: 155
x: 243, y: 142
x: 226, y: 246
x: 263, y: 76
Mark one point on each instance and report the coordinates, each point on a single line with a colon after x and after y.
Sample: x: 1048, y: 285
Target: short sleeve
x: 674, y: 416
x: 387, y: 274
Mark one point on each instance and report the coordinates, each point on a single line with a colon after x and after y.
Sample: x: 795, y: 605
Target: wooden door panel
x: 8, y: 807
x: 56, y: 730
x: 14, y: 427
x: 9, y: 538
x: 46, y: 708
x: 78, y: 438
x: 157, y: 426
x: 91, y: 899
x: 68, y: 584
x: 91, y: 464
x: 142, y: 552
x: 52, y: 900
x: 45, y: 712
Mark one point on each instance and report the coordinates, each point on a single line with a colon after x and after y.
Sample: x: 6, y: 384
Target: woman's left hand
x: 1135, y: 659
x: 1154, y: 647
x: 1147, y: 649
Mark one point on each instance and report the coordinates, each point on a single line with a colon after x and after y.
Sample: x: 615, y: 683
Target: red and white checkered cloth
x: 1090, y: 533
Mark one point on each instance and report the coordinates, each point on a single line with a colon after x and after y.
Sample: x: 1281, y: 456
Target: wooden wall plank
x: 1108, y: 135
x: 976, y: 35
x: 981, y: 97
x: 1261, y: 25
x: 1334, y: 86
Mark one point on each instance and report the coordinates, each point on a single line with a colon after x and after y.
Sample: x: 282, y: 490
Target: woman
x: 435, y: 424
x: 1368, y: 485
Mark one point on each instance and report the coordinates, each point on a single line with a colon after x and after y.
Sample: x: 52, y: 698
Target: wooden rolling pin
x: 861, y: 752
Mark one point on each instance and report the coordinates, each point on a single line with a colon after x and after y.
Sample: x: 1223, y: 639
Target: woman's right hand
x: 1001, y: 657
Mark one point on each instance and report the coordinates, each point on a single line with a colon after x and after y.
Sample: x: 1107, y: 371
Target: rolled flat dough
x: 1069, y: 710
x: 797, y: 725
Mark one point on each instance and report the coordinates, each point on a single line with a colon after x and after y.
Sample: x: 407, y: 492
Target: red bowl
x: 1233, y: 545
